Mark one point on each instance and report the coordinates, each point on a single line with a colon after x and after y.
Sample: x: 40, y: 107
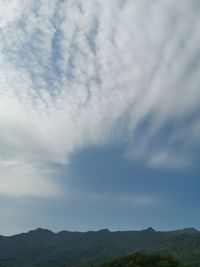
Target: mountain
x: 42, y: 247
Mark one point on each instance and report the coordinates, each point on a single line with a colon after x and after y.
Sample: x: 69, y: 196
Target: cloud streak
x: 82, y: 73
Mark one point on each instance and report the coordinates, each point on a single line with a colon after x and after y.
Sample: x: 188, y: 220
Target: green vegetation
x: 43, y: 248
x: 143, y: 260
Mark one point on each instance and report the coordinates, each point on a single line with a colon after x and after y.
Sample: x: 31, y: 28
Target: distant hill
x: 42, y: 247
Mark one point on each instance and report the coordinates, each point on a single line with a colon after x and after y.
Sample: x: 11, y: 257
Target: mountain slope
x: 143, y: 260
x: 44, y: 248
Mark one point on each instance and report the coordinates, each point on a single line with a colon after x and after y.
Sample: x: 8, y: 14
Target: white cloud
x: 10, y: 11
x: 169, y: 159
x: 18, y: 179
x: 78, y: 73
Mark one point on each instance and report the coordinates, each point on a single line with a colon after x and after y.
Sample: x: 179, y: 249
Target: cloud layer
x: 82, y: 73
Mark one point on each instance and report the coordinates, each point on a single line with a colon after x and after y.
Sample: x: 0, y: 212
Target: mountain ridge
x: 150, y: 229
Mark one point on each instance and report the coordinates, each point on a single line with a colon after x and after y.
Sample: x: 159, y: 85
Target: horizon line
x: 194, y: 229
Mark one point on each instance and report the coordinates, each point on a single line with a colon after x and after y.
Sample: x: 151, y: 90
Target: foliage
x: 143, y: 260
x: 43, y: 248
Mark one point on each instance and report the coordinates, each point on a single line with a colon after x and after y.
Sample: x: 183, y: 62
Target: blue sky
x: 99, y: 114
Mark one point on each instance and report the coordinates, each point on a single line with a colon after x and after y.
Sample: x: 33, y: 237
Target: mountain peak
x: 40, y: 231
x: 150, y: 230
x: 104, y: 231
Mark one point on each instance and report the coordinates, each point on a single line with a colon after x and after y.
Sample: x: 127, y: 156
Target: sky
x: 99, y: 114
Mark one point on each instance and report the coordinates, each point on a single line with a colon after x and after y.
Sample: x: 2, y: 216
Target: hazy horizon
x: 98, y: 230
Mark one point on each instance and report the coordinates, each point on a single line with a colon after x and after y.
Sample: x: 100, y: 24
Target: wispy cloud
x: 134, y: 200
x: 140, y: 200
x: 21, y: 179
x: 79, y: 73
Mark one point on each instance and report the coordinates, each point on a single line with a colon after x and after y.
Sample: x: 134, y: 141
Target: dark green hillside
x: 45, y: 248
x: 143, y: 260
